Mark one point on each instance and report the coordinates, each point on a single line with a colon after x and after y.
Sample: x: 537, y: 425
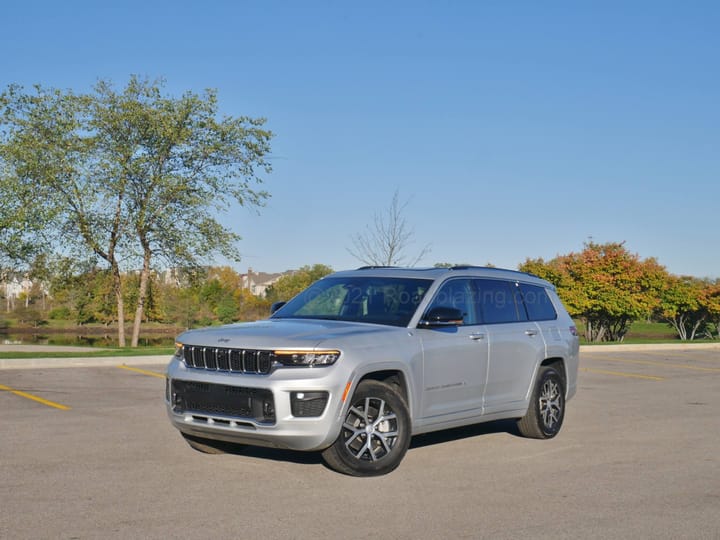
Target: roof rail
x: 491, y: 268
x: 373, y: 267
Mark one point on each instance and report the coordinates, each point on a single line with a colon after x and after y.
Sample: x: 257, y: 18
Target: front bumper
x: 257, y: 409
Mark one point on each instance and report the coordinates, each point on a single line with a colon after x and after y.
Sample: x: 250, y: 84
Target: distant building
x: 12, y: 288
x: 258, y: 282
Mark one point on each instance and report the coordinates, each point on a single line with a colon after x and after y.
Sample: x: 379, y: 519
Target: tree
x: 386, y: 240
x: 227, y: 276
x: 450, y: 265
x: 133, y: 177
x: 681, y: 305
x: 251, y: 307
x: 710, y: 300
x: 292, y: 284
x: 181, y: 304
x: 604, y: 285
x: 22, y: 226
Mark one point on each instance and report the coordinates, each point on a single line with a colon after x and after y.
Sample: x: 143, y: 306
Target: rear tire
x: 546, y: 411
x: 375, y: 433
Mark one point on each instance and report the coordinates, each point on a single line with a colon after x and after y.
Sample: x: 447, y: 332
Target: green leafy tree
x: 89, y: 296
x: 604, y: 285
x: 68, y: 286
x: 290, y: 285
x: 250, y: 306
x: 181, y: 305
x: 22, y: 225
x: 131, y: 290
x: 681, y: 305
x: 226, y: 309
x: 30, y: 315
x: 131, y: 175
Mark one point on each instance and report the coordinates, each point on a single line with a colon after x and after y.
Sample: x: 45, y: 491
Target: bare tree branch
x: 385, y: 241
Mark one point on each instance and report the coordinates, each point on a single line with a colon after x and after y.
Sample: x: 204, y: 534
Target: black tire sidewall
x: 550, y: 373
x: 357, y: 467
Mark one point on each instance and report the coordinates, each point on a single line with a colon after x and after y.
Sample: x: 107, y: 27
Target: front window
x: 457, y: 294
x: 378, y: 300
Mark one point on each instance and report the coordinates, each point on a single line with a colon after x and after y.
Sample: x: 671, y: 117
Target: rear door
x: 516, y: 345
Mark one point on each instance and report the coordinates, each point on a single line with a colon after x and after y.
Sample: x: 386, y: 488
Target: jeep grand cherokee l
x: 362, y: 360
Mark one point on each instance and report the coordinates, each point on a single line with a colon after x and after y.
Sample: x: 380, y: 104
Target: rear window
x: 498, y: 301
x: 537, y: 302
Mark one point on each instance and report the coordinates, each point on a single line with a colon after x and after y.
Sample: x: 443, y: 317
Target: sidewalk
x: 42, y: 362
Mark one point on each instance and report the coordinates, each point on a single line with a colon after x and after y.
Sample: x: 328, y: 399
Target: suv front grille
x: 224, y: 359
x: 219, y: 399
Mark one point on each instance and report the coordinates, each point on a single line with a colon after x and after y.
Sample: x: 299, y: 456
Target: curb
x: 620, y: 347
x: 43, y: 363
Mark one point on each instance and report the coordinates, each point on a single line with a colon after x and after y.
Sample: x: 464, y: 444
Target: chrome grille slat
x: 251, y: 361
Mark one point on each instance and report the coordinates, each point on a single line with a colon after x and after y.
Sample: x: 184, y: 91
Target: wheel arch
x: 395, y: 377
x: 558, y: 364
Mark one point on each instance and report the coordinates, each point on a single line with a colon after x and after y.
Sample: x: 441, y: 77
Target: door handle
x: 477, y: 336
x: 531, y: 333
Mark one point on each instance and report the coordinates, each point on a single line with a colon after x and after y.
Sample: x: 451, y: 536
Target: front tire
x: 546, y: 412
x: 375, y: 433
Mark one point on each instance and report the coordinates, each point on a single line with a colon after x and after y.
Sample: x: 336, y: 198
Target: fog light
x: 268, y: 410
x: 308, y: 404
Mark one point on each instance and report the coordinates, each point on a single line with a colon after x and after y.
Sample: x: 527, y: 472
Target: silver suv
x: 362, y: 360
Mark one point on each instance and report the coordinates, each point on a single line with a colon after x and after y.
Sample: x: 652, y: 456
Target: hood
x: 283, y: 333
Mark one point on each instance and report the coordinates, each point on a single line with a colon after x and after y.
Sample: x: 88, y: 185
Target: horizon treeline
x: 604, y: 286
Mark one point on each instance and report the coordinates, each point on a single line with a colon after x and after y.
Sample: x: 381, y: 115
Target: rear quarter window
x: 537, y: 302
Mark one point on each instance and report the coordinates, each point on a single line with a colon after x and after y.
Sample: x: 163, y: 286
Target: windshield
x: 378, y: 300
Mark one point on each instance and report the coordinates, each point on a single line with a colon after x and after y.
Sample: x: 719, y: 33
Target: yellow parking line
x: 143, y: 371
x: 660, y: 364
x: 622, y: 374
x: 35, y: 398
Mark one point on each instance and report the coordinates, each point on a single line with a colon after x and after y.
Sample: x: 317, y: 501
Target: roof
x: 435, y: 273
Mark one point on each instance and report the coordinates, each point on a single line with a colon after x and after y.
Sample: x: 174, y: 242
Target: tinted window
x: 498, y: 301
x: 538, y: 303
x: 458, y: 294
x: 379, y: 300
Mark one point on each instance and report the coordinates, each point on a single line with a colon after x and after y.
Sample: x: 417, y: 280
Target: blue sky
x: 514, y: 129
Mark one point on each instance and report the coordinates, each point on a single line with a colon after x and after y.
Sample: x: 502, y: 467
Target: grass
x: 99, y: 353
x: 643, y: 332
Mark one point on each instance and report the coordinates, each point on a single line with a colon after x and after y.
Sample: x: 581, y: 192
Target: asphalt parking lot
x: 87, y: 452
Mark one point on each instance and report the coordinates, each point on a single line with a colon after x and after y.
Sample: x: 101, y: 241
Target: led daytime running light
x: 307, y: 358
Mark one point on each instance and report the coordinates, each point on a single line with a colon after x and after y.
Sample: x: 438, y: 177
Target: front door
x: 455, y: 358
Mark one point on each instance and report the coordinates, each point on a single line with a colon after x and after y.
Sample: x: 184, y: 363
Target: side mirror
x: 442, y: 316
x: 275, y: 306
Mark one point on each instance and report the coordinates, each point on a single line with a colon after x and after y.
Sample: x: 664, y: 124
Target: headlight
x: 179, y: 348
x: 307, y: 358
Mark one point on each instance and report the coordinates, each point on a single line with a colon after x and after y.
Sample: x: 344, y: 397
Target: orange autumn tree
x: 710, y: 300
x: 605, y: 286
